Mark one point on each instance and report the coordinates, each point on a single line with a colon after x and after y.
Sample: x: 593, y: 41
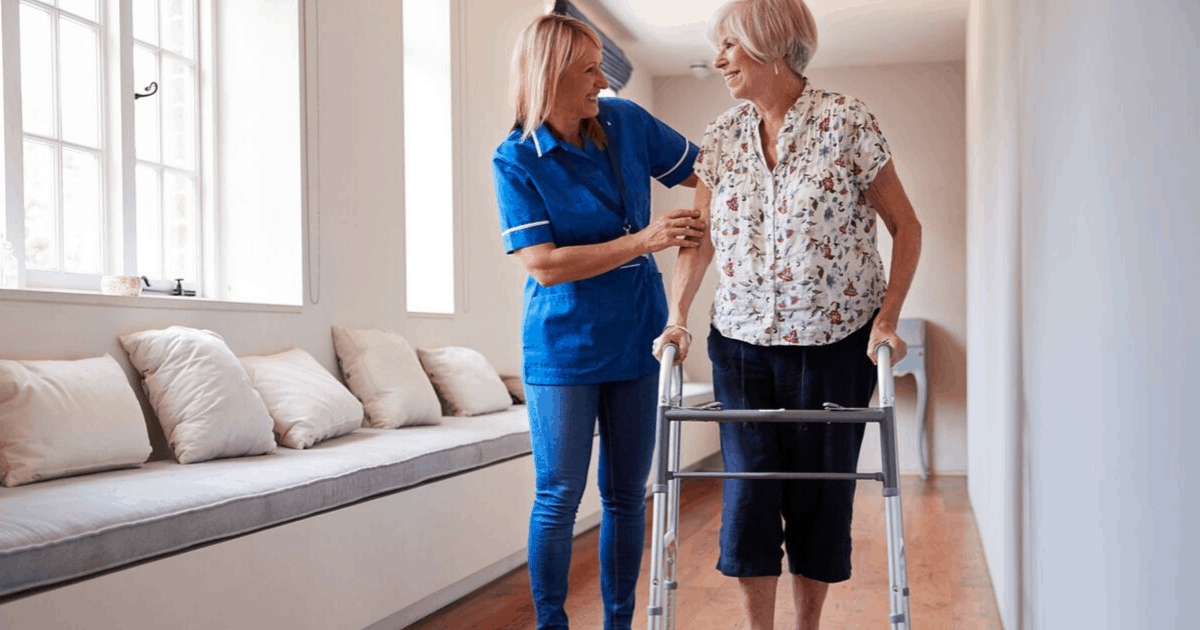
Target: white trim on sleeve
x: 687, y: 147
x: 523, y: 227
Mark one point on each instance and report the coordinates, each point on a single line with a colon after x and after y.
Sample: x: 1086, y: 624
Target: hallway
x: 947, y: 574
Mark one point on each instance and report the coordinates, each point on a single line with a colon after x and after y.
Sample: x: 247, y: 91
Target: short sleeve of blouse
x: 868, y: 149
x: 709, y: 158
x: 524, y: 220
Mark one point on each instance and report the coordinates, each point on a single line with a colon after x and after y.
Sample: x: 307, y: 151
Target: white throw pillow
x: 384, y: 372
x: 60, y: 418
x: 201, y: 394
x: 465, y: 382
x: 306, y: 402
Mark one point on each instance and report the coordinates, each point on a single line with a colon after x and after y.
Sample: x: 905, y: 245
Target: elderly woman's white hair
x: 769, y: 30
x: 545, y: 50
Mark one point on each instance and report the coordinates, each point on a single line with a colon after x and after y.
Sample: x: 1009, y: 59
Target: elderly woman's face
x: 743, y: 74
x: 580, y: 86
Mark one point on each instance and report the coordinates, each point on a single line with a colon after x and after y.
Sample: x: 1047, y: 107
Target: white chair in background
x: 912, y: 331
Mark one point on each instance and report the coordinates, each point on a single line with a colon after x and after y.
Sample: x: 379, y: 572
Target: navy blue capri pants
x: 815, y: 523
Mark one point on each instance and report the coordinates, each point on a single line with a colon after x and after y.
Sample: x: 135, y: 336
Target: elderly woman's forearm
x: 690, y: 266
x: 906, y: 251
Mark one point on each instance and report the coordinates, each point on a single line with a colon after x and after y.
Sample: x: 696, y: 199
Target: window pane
x: 179, y: 27
x: 79, y: 48
x: 145, y: 110
x: 37, y: 71
x: 41, y: 229
x: 81, y: 212
x: 83, y: 8
x: 149, y: 223
x: 180, y: 236
x: 428, y: 167
x: 145, y: 21
x: 178, y: 95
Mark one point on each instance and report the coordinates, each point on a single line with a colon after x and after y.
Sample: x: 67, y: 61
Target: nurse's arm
x: 690, y: 182
x: 550, y: 265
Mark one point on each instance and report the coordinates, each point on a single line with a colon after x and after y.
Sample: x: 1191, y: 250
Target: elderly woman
x: 791, y: 184
x: 573, y: 186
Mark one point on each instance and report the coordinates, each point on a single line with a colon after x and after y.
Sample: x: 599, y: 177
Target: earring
x: 776, y: 67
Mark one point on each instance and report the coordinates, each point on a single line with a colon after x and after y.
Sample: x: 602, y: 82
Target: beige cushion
x: 465, y: 382
x: 201, y: 394
x: 60, y: 418
x: 516, y: 388
x: 306, y: 402
x: 384, y: 373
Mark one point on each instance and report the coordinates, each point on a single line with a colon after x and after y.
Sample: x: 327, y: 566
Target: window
x: 429, y: 141
x: 149, y: 147
x: 63, y: 140
x: 167, y: 176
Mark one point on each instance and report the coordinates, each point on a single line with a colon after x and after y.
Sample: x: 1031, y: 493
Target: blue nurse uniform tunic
x: 599, y: 329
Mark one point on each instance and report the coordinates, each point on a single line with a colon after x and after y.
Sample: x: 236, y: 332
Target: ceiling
x: 669, y: 35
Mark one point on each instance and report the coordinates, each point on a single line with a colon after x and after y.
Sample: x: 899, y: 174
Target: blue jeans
x: 562, y: 421
x: 817, y: 514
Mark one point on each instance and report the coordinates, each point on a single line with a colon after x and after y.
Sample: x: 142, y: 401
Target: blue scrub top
x: 599, y: 329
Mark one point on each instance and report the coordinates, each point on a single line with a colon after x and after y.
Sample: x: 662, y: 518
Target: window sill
x: 425, y: 315
x: 146, y: 300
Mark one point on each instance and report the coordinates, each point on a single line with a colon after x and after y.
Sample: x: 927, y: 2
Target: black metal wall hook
x: 151, y: 90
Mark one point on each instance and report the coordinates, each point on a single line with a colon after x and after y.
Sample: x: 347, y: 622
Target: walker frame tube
x: 667, y: 476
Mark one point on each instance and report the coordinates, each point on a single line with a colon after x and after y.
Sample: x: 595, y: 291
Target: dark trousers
x: 810, y: 519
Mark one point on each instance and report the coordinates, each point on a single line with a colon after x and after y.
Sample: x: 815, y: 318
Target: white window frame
x: 456, y: 47
x: 222, y: 287
x: 204, y: 211
x: 60, y: 279
x: 118, y: 160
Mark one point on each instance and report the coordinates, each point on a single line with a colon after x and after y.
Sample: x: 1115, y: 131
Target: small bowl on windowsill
x: 130, y: 286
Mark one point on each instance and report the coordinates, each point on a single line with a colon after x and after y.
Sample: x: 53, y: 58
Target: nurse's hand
x: 678, y: 228
x: 677, y: 335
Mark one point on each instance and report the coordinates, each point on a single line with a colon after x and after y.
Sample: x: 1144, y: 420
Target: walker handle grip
x: 883, y: 363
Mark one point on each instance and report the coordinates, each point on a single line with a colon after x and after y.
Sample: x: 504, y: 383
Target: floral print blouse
x: 795, y: 247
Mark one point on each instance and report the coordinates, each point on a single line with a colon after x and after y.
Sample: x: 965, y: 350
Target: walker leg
x: 659, y: 578
x: 894, y: 514
x: 671, y: 541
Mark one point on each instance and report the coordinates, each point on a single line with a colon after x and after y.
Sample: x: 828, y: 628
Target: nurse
x: 573, y: 187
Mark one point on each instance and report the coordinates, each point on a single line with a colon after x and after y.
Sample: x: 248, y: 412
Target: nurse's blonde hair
x: 769, y: 30
x: 545, y: 50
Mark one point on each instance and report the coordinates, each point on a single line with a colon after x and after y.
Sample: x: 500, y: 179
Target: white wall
x: 1105, y: 135
x: 921, y: 109
x: 993, y: 295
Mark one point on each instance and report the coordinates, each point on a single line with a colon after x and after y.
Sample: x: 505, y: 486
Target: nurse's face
x: 580, y: 86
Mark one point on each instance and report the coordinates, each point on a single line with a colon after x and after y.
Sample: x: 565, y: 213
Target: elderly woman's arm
x: 690, y: 266
x: 551, y: 265
x: 887, y: 196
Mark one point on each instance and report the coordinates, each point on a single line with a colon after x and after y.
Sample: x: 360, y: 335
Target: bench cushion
x: 63, y: 529
x: 67, y: 528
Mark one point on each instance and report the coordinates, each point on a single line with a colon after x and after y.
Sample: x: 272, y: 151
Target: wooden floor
x: 949, y: 584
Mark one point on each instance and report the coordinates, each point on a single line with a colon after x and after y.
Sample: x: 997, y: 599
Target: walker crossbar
x: 788, y: 476
x: 845, y: 415
x: 665, y: 521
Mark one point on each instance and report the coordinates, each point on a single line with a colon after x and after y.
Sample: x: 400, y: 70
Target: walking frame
x: 665, y: 522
